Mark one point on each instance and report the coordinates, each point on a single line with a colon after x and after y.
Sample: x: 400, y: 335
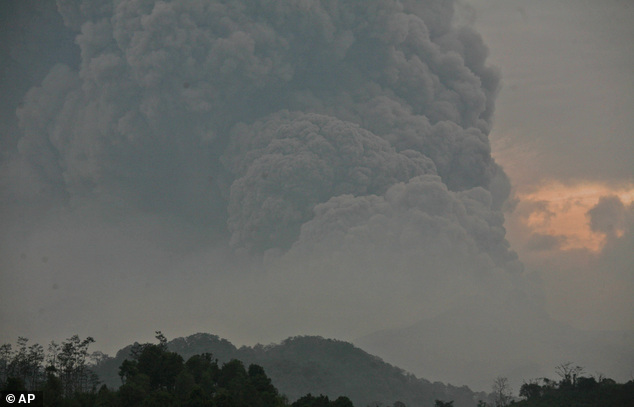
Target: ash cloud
x: 202, y: 108
x: 286, y: 164
x: 342, y: 146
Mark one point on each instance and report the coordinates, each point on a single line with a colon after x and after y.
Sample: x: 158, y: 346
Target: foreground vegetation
x: 576, y: 389
x: 155, y: 376
x: 311, y: 364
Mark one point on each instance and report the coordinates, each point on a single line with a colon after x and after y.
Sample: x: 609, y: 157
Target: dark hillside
x: 313, y: 364
x: 222, y: 349
x: 310, y: 364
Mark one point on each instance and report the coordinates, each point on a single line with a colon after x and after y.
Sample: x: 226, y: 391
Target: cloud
x: 276, y: 167
x: 286, y: 164
x: 420, y: 217
x: 543, y: 242
x: 612, y: 217
x: 170, y: 97
x: 580, y: 212
x: 577, y: 240
x: 608, y: 216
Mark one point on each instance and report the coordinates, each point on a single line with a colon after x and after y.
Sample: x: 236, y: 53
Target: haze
x: 357, y: 170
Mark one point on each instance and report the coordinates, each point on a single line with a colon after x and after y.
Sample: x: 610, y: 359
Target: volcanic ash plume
x: 271, y: 120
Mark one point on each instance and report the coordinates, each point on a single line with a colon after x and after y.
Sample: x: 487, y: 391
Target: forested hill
x: 310, y: 364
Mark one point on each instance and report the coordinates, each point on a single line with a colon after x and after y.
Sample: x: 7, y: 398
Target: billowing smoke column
x: 276, y: 121
x: 288, y: 163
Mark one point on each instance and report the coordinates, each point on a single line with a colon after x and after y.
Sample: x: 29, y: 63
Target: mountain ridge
x: 312, y: 364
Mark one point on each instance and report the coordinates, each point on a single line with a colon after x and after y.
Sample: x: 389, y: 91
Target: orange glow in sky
x: 559, y: 210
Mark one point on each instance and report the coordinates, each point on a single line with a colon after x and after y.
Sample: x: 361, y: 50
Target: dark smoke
x: 246, y: 115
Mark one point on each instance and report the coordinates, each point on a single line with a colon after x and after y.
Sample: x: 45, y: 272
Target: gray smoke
x: 256, y: 169
x: 288, y: 163
x: 246, y: 115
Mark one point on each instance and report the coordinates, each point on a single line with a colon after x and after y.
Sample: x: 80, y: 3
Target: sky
x: 336, y: 170
x: 564, y: 134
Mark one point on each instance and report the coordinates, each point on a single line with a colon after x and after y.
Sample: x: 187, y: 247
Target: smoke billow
x: 340, y: 146
x: 287, y: 164
x: 249, y: 114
